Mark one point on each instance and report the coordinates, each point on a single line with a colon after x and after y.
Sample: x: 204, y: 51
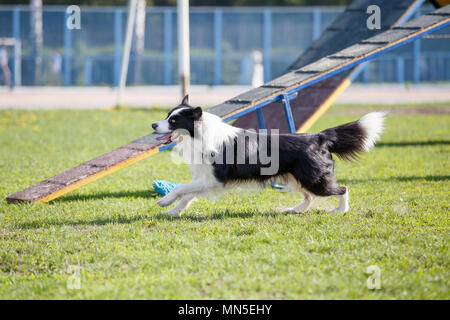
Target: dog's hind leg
x: 343, y: 202
x: 308, y: 197
x: 184, y: 203
x: 304, y: 206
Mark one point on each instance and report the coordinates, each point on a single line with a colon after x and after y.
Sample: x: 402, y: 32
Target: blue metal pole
x: 365, y: 74
x: 260, y: 116
x: 16, y: 35
x: 414, y: 11
x: 117, y: 44
x: 168, y: 47
x: 317, y: 22
x: 416, y: 56
x: 288, y: 112
x: 267, y: 44
x: 244, y: 71
x: 358, y: 71
x: 400, y: 69
x: 88, y: 72
x: 67, y: 53
x: 416, y: 61
x: 217, y: 47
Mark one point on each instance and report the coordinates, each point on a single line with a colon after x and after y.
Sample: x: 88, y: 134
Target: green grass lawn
x: 236, y: 247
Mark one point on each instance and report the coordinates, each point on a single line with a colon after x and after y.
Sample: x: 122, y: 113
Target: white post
x: 37, y: 37
x: 127, y: 48
x: 258, y: 69
x: 140, y: 40
x: 183, y: 46
x: 18, y: 63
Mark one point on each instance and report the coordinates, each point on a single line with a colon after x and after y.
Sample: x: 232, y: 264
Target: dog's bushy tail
x: 350, y: 139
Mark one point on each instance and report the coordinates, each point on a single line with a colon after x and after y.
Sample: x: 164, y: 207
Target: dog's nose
x: 154, y: 126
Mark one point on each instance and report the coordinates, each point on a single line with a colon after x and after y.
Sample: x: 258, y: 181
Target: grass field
x: 235, y: 247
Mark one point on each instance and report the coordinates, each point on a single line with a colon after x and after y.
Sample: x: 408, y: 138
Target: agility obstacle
x: 348, y: 29
x: 282, y: 90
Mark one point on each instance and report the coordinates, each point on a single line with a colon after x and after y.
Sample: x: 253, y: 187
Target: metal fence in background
x: 222, y: 43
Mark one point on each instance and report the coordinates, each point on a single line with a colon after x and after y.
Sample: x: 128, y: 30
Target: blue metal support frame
x: 288, y: 112
x: 260, y: 117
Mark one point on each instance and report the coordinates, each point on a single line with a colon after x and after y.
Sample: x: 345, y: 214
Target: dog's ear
x: 185, y: 101
x: 197, y: 112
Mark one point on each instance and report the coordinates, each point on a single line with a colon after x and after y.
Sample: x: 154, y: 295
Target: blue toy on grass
x: 164, y: 187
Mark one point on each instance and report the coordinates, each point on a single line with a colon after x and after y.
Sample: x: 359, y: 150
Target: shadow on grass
x: 397, y: 179
x: 151, y: 194
x: 114, y: 219
x: 224, y: 214
x: 119, y: 194
x: 81, y: 223
x: 413, y: 143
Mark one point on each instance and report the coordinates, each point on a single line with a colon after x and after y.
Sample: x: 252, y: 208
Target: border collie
x: 227, y: 156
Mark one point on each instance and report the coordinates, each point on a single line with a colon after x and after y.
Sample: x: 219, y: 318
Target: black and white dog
x: 221, y: 155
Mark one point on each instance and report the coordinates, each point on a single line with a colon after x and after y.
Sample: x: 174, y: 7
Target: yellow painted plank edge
x: 99, y: 175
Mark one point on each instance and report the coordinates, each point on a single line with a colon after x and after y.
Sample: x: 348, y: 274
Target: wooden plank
x: 85, y: 173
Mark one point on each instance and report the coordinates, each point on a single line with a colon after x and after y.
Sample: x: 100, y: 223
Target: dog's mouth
x: 168, y: 137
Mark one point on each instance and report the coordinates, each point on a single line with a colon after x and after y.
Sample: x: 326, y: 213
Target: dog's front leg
x: 193, y: 187
x: 168, y: 199
x: 184, y: 203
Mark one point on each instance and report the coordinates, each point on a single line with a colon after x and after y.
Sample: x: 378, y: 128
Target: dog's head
x: 179, y: 121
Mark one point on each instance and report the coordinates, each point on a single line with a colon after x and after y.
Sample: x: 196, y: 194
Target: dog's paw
x: 163, y: 203
x: 339, y: 210
x: 166, y: 201
x: 173, y: 213
x: 287, y: 210
x: 293, y: 210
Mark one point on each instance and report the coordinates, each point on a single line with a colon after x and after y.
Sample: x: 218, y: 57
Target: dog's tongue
x: 165, y: 137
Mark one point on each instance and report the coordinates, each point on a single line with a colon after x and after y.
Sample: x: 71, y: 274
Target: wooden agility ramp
x: 348, y: 29
x: 283, y: 89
